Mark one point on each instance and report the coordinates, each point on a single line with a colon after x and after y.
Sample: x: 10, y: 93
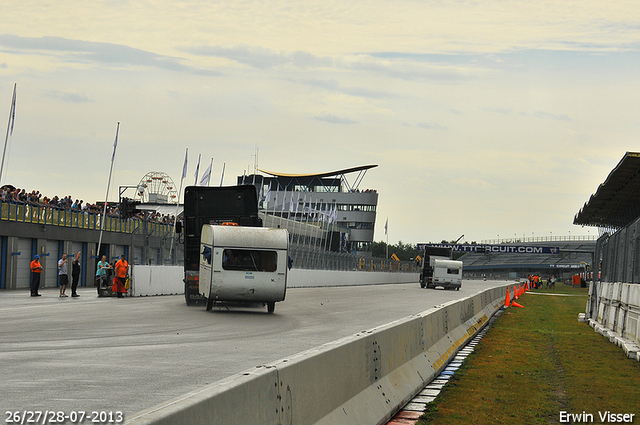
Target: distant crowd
x: 35, y: 198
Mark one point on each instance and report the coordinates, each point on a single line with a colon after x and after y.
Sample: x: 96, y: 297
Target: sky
x: 494, y: 119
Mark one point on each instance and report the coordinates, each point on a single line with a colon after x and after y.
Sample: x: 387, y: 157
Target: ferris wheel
x: 157, y: 187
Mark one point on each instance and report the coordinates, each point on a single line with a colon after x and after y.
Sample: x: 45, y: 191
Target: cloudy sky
x: 489, y: 119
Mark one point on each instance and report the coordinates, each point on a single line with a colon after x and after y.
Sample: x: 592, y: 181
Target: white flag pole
x: 222, y: 176
x: 175, y: 216
x: 386, y: 225
x: 106, y: 198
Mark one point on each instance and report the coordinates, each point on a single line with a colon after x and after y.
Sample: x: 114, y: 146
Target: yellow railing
x: 25, y: 213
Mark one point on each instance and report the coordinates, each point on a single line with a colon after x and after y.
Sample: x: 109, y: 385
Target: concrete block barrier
x: 613, y: 310
x: 166, y: 280
x: 364, y: 378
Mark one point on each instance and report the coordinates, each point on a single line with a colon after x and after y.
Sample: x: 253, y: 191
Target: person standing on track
x: 101, y: 272
x: 36, y: 271
x: 122, y: 270
x: 75, y: 275
x: 63, y: 275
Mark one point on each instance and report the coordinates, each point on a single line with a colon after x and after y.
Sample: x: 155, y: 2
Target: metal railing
x: 530, y: 239
x: 316, y: 259
x: 51, y: 216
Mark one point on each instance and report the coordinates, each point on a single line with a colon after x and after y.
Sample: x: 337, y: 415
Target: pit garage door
x: 50, y: 278
x: 23, y: 274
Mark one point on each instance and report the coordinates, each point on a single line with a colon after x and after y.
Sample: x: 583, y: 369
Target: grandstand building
x: 561, y: 257
x: 322, y: 199
x: 615, y: 210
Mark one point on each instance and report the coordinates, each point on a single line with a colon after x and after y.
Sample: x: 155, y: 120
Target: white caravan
x: 243, y: 264
x: 441, y: 272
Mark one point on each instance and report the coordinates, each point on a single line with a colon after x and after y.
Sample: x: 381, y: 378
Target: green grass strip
x: 536, y: 362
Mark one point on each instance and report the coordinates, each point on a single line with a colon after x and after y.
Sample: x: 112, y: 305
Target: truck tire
x: 209, y: 304
x: 271, y: 307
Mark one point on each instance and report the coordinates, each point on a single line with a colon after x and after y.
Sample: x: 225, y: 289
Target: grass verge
x: 536, y: 362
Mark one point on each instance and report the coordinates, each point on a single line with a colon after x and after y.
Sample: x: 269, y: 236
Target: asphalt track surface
x: 108, y: 354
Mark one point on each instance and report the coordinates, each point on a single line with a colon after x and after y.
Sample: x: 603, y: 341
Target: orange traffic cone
x: 507, y: 302
x: 515, y: 304
x: 515, y: 293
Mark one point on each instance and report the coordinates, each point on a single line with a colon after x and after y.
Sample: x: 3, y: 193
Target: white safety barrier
x: 363, y: 379
x: 613, y: 310
x: 156, y: 280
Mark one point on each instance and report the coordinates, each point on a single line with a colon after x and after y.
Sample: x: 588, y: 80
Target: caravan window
x: 453, y: 271
x: 252, y: 260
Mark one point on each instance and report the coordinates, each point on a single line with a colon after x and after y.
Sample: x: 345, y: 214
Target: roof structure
x: 327, y: 174
x: 308, y: 180
x: 616, y: 203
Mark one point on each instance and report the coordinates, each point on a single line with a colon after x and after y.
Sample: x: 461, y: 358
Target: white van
x: 243, y: 264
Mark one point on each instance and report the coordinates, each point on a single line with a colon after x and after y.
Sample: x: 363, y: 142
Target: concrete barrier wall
x: 613, y: 310
x: 165, y: 280
x: 302, y: 278
x: 364, y: 378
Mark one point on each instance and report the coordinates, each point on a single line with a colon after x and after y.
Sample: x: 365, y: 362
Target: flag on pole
x: 184, y: 168
x: 13, y: 108
x: 386, y: 224
x: 115, y: 143
x: 267, y: 197
x: 204, y: 181
x: 304, y: 204
x: 197, y: 170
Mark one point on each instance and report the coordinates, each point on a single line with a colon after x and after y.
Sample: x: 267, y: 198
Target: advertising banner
x: 503, y: 249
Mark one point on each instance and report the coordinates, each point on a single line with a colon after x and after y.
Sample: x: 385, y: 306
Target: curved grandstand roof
x: 327, y: 174
x: 616, y: 203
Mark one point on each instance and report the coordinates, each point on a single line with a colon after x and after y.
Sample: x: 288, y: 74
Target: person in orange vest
x: 122, y: 270
x: 36, y: 271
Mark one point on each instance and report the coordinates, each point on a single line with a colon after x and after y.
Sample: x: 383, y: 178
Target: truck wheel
x: 209, y: 304
x: 271, y: 307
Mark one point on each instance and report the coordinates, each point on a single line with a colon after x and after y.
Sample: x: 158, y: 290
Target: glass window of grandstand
x: 354, y: 207
x: 361, y: 246
x: 361, y: 226
x: 251, y: 260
